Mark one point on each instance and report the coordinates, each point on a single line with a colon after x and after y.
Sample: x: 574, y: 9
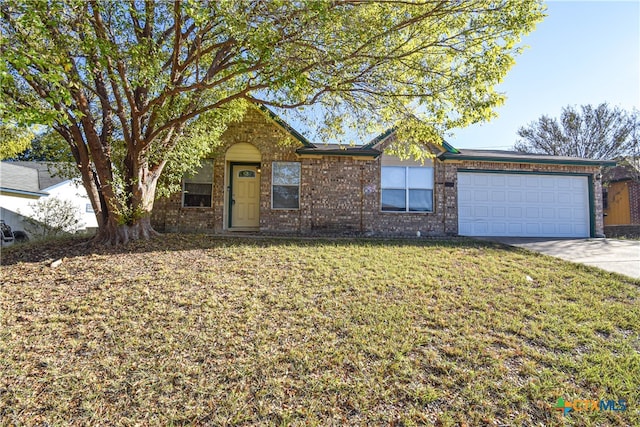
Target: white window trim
x: 406, y: 189
x: 285, y: 185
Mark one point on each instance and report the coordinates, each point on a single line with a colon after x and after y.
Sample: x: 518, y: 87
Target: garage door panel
x: 498, y: 196
x: 564, y: 213
x: 527, y: 205
x: 580, y: 184
x: 547, y: 183
x: 576, y: 198
x: 515, y: 212
x: 532, y: 212
x: 482, y: 180
x: 547, y: 197
x: 465, y: 229
x: 498, y: 212
x: 481, y: 212
x: 498, y: 227
x: 532, y: 228
x: 465, y: 195
x: 465, y: 179
x: 565, y: 199
x: 548, y: 213
x: 481, y: 196
x: 565, y: 229
x: 497, y: 180
x: 481, y: 228
x: 548, y: 229
x: 514, y: 228
x: 532, y: 181
x: 465, y: 211
x: 514, y: 196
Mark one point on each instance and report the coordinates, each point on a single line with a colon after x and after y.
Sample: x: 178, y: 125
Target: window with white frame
x: 407, y: 189
x: 197, y: 189
x: 285, y: 185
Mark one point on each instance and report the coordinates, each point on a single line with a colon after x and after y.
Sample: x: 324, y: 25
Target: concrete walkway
x: 618, y: 256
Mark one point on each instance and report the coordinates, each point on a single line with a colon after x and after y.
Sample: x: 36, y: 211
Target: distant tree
x: 122, y: 81
x: 46, y: 146
x: 52, y: 217
x: 13, y: 139
x: 598, y: 132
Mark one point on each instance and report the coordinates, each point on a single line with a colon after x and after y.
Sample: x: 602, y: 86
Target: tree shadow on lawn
x: 51, y: 250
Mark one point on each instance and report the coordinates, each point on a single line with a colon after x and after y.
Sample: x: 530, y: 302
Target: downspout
x: 361, y: 199
x: 592, y: 205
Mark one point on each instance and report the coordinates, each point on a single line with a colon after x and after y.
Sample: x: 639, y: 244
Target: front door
x: 245, y: 196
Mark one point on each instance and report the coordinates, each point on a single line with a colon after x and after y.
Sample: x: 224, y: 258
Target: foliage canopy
x: 13, y: 140
x: 122, y: 81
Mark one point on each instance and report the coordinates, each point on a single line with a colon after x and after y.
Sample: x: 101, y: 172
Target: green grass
x: 195, y: 330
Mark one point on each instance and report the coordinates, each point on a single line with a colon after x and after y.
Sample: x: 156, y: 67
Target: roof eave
x: 287, y: 127
x: 380, y: 138
x: 577, y: 162
x: 389, y: 132
x: 23, y: 192
x: 350, y: 153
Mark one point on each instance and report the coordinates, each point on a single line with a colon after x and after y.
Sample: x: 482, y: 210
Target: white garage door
x: 522, y: 205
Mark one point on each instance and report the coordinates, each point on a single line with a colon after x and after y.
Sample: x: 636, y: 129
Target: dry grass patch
x: 201, y: 330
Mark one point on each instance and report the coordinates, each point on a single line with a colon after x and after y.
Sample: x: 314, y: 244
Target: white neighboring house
x: 24, y: 183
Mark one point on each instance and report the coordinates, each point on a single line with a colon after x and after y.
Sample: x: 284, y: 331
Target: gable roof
x: 286, y: 126
x: 449, y: 152
x: 18, y: 177
x: 380, y: 139
x: 48, y: 173
x: 28, y: 178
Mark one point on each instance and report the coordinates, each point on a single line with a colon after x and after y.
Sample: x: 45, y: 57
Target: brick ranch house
x: 256, y: 183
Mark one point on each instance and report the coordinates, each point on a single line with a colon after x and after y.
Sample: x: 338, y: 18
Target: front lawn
x: 199, y: 330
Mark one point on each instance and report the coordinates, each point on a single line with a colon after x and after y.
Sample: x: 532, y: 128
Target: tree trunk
x: 113, y: 234
x: 133, y: 221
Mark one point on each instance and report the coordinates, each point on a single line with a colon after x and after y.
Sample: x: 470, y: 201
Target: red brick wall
x: 634, y: 201
x: 342, y: 195
x: 273, y: 143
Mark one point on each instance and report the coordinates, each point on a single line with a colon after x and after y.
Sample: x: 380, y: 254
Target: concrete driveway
x: 618, y: 256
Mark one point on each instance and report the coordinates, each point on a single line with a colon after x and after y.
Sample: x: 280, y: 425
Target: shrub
x: 53, y: 217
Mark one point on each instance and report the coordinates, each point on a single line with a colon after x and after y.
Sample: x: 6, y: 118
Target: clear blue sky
x: 582, y: 53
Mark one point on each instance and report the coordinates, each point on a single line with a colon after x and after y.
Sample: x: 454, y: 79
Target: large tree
x: 122, y: 81
x: 600, y: 132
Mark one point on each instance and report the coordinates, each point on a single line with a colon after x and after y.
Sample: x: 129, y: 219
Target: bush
x: 53, y: 217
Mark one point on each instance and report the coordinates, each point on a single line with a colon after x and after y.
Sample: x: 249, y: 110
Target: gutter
x: 577, y: 162
x: 23, y: 192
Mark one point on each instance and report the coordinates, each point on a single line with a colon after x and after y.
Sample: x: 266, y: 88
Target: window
x: 197, y: 190
x: 285, y: 185
x: 407, y: 189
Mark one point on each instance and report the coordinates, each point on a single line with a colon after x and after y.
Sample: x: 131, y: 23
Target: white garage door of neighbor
x: 523, y: 205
